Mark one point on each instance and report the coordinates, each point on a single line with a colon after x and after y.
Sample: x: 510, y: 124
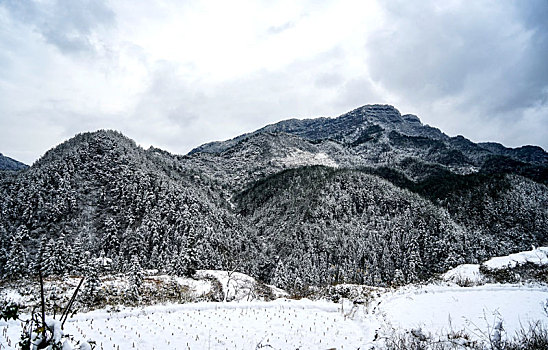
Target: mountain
x: 370, y: 197
x: 385, y: 124
x: 378, y: 135
x: 102, y: 193
x: 7, y: 163
x: 348, y: 126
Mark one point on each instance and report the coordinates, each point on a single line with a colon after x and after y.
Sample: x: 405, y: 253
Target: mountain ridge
x: 385, y: 116
x: 362, y: 198
x: 379, y: 135
x: 7, y: 163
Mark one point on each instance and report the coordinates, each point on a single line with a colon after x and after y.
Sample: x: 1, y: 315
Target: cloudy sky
x: 176, y: 74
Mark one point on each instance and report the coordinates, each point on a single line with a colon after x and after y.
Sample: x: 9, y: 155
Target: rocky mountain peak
x: 347, y: 127
x: 411, y: 118
x: 383, y: 114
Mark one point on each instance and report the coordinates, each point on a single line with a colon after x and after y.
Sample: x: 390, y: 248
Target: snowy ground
x: 466, y: 273
x: 305, y: 324
x: 237, y: 286
x: 537, y: 256
x: 282, y: 324
x: 299, y: 158
x: 476, y: 310
x: 249, y: 322
x: 470, y: 274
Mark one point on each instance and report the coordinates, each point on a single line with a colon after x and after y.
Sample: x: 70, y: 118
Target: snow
x: 281, y: 324
x: 55, y: 326
x: 439, y: 309
x: 467, y: 273
x: 236, y: 286
x: 362, y: 320
x: 84, y: 345
x: 537, y: 256
x: 9, y: 294
x: 200, y: 287
x: 103, y: 262
x: 298, y: 158
x: 197, y: 286
x: 306, y: 324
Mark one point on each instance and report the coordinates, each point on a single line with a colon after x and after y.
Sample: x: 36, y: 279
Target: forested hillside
x: 322, y: 226
x: 7, y: 163
x: 101, y: 193
x: 370, y: 197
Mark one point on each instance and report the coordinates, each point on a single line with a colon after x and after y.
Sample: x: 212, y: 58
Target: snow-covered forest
x: 387, y: 214
x: 370, y: 198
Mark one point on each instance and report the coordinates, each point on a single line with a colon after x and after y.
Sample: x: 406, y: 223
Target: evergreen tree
x: 4, y: 249
x: 90, y: 290
x: 76, y: 256
x: 281, y: 276
x: 17, y: 264
x: 155, y: 259
x: 110, y: 243
x: 38, y: 261
x: 57, y: 257
x: 399, y: 278
x: 137, y: 246
x: 135, y: 279
x: 190, y: 256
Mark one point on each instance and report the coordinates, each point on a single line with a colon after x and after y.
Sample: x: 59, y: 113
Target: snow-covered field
x: 282, y: 324
x: 305, y: 324
x: 250, y: 322
x: 476, y: 310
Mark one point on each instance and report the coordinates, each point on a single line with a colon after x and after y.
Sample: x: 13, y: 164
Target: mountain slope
x: 378, y: 135
x: 325, y: 226
x: 371, y: 197
x: 114, y: 198
x: 7, y: 163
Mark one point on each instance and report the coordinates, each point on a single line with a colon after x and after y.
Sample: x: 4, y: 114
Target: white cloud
x: 177, y: 74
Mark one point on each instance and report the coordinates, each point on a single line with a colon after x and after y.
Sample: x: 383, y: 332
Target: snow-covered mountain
x: 372, y: 196
x: 383, y: 131
x: 7, y: 163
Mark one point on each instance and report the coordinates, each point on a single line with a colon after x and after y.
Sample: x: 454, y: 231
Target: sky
x: 177, y: 74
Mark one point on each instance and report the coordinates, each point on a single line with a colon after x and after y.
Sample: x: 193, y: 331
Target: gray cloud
x: 471, y: 68
x: 67, y: 24
x: 329, y: 79
x: 480, y: 60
